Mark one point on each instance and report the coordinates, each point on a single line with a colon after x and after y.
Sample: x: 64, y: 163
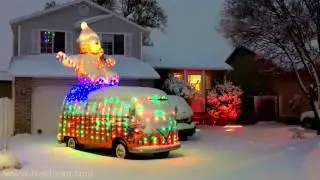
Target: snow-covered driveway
x: 261, y: 152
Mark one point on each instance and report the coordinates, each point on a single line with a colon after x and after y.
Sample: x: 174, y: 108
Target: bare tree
x: 286, y: 32
x: 50, y: 4
x: 147, y: 13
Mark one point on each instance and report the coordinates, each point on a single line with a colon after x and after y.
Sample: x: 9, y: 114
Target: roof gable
x: 68, y: 4
x: 92, y: 19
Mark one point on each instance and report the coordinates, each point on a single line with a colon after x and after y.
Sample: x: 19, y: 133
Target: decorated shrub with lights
x: 224, y: 102
x: 174, y: 86
x: 98, y: 112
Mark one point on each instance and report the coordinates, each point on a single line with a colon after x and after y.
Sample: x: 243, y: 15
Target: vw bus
x: 129, y: 120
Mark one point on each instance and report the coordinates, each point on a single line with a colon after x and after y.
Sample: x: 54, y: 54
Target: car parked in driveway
x: 185, y: 125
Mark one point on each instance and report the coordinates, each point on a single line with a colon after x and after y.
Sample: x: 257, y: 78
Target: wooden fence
x: 6, y: 118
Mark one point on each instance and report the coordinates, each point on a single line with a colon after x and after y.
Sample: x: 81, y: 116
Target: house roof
x: 236, y: 52
x: 5, y: 76
x: 93, y: 19
x: 46, y: 65
x: 262, y: 64
x: 189, y: 41
x: 68, y: 4
x: 183, y: 60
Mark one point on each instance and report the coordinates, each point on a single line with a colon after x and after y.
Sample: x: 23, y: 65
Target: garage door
x: 46, y: 106
x: 47, y: 98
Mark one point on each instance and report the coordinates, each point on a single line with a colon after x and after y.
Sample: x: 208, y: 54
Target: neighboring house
x: 200, y: 79
x: 199, y: 73
x: 262, y: 77
x: 40, y: 81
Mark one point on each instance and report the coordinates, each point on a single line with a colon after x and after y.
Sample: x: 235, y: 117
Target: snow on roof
x: 68, y: 4
x: 191, y: 39
x: 126, y: 92
x: 182, y: 60
x: 46, y: 65
x: 5, y: 76
x: 93, y: 19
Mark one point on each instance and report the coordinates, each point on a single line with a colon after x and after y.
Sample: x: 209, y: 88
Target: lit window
x: 52, y: 42
x: 178, y: 76
x: 113, y: 44
x: 195, y: 81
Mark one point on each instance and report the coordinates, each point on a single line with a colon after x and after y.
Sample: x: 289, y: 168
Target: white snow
x: 46, y: 65
x: 260, y: 152
x: 5, y: 76
x: 125, y: 92
x: 8, y: 160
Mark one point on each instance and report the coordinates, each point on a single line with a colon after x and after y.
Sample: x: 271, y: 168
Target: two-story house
x: 40, y: 81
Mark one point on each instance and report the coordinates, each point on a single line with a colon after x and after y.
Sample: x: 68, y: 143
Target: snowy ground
x: 260, y: 152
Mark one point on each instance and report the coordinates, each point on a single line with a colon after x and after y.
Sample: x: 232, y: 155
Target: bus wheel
x: 73, y: 143
x: 121, y: 150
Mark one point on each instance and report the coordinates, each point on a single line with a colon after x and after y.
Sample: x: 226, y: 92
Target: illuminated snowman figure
x: 90, y: 66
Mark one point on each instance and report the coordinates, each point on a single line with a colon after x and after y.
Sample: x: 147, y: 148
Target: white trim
x: 36, y: 41
x: 19, y: 40
x: 116, y: 33
x: 64, y: 5
x: 13, y: 91
x: 65, y: 42
x: 69, y: 33
x: 185, y: 76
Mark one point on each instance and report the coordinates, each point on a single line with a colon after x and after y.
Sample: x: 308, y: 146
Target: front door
x: 195, y: 79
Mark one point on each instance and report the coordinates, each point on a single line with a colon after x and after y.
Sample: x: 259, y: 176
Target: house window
x: 195, y: 81
x: 113, y: 44
x: 178, y: 76
x: 52, y: 42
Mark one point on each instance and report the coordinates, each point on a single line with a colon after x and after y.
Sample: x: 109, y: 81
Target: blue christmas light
x: 48, y: 36
x: 81, y: 91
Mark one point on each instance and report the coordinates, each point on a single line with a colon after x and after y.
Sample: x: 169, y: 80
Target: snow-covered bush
x: 8, y: 160
x: 224, y: 101
x: 174, y: 86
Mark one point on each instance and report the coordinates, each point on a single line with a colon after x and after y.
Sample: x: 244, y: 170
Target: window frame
x: 115, y: 33
x: 53, y: 30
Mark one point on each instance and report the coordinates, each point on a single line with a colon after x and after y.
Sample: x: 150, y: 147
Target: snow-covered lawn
x: 260, y: 152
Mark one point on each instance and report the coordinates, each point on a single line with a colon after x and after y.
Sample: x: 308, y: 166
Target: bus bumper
x: 154, y: 149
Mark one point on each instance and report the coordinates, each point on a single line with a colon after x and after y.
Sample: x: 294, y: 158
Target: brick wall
x: 23, y: 95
